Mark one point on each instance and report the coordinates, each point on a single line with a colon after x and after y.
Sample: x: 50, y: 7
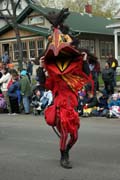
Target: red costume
x: 66, y: 77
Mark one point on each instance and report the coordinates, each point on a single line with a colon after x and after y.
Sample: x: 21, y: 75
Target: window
x: 88, y: 44
x: 24, y: 48
x: 36, y: 20
x: 106, y: 48
x: 40, y: 47
x: 15, y: 51
x: 32, y: 49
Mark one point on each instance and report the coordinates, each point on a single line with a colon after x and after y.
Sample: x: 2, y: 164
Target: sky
x: 118, y: 1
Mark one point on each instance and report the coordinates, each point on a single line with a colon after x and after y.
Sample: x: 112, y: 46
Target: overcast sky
x: 118, y: 1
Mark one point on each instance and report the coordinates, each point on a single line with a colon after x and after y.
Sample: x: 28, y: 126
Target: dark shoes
x: 65, y: 164
x: 27, y: 113
x: 64, y: 161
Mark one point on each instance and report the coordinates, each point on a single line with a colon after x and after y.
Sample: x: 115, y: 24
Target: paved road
x: 29, y: 150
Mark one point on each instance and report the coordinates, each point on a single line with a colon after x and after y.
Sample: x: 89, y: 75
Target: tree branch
x: 17, y: 4
x: 5, y: 18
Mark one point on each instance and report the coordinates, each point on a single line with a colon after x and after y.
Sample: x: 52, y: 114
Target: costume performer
x: 68, y: 72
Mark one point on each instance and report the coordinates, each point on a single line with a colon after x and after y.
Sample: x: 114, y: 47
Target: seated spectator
x: 114, y: 106
x: 41, y: 100
x: 81, y: 95
x: 118, y: 94
x: 91, y: 104
x: 102, y: 108
x: 3, y: 104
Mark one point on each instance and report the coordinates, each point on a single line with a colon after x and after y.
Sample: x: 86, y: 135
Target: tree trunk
x: 20, y: 50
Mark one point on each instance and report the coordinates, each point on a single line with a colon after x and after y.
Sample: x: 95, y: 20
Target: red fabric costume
x: 65, y: 68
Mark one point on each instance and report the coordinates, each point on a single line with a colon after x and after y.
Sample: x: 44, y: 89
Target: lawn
x: 101, y: 81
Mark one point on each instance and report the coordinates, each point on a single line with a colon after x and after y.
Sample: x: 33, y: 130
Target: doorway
x: 5, y: 47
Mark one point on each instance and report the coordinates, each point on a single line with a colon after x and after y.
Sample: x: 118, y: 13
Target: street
x: 29, y: 150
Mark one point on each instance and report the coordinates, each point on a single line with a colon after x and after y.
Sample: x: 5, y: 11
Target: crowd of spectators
x: 19, y: 95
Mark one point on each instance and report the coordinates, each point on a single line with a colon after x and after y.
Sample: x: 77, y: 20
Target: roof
x: 86, y: 23
x: 5, y: 29
x: 114, y: 25
x: 83, y: 23
x: 38, y: 30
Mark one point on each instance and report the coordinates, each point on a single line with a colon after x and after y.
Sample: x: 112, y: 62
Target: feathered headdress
x: 57, y: 19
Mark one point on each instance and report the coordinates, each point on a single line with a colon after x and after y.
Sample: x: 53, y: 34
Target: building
x: 35, y: 29
x: 116, y: 32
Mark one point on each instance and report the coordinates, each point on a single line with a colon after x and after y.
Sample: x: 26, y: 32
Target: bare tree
x: 10, y: 16
x: 99, y: 8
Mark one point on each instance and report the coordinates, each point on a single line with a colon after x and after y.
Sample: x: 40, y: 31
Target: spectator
x: 1, y: 70
x: 114, y: 106
x: 30, y: 68
x: 41, y: 100
x: 97, y: 72
x: 81, y: 95
x: 91, y: 104
x: 5, y: 58
x: 4, y: 80
x: 108, y: 76
x: 113, y: 64
x: 3, y: 105
x: 36, y: 104
x: 11, y: 66
x: 102, y: 108
x: 94, y: 69
x: 14, y: 95
x: 25, y: 89
x: 41, y: 74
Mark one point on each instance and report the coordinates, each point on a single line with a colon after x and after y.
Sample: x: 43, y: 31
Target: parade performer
x: 68, y: 72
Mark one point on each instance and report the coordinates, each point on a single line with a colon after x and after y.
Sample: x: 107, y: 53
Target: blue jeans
x: 26, y: 104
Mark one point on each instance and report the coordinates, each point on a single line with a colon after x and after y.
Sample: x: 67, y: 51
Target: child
x: 114, y: 106
x: 3, y: 105
x: 91, y: 104
x: 81, y: 95
x: 102, y: 108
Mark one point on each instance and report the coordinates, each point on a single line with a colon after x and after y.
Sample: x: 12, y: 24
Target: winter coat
x: 13, y: 90
x: 102, y: 102
x: 41, y: 75
x: 4, y: 80
x: 25, y: 86
x: 114, y: 103
x: 107, y: 75
x: 91, y: 102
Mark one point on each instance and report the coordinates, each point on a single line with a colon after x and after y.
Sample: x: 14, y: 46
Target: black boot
x: 64, y: 162
x: 67, y: 151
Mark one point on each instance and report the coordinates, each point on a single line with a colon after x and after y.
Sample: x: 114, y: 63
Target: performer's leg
x: 63, y: 141
x: 72, y: 141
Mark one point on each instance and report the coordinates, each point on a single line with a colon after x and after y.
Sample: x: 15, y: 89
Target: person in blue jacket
x: 14, y: 94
